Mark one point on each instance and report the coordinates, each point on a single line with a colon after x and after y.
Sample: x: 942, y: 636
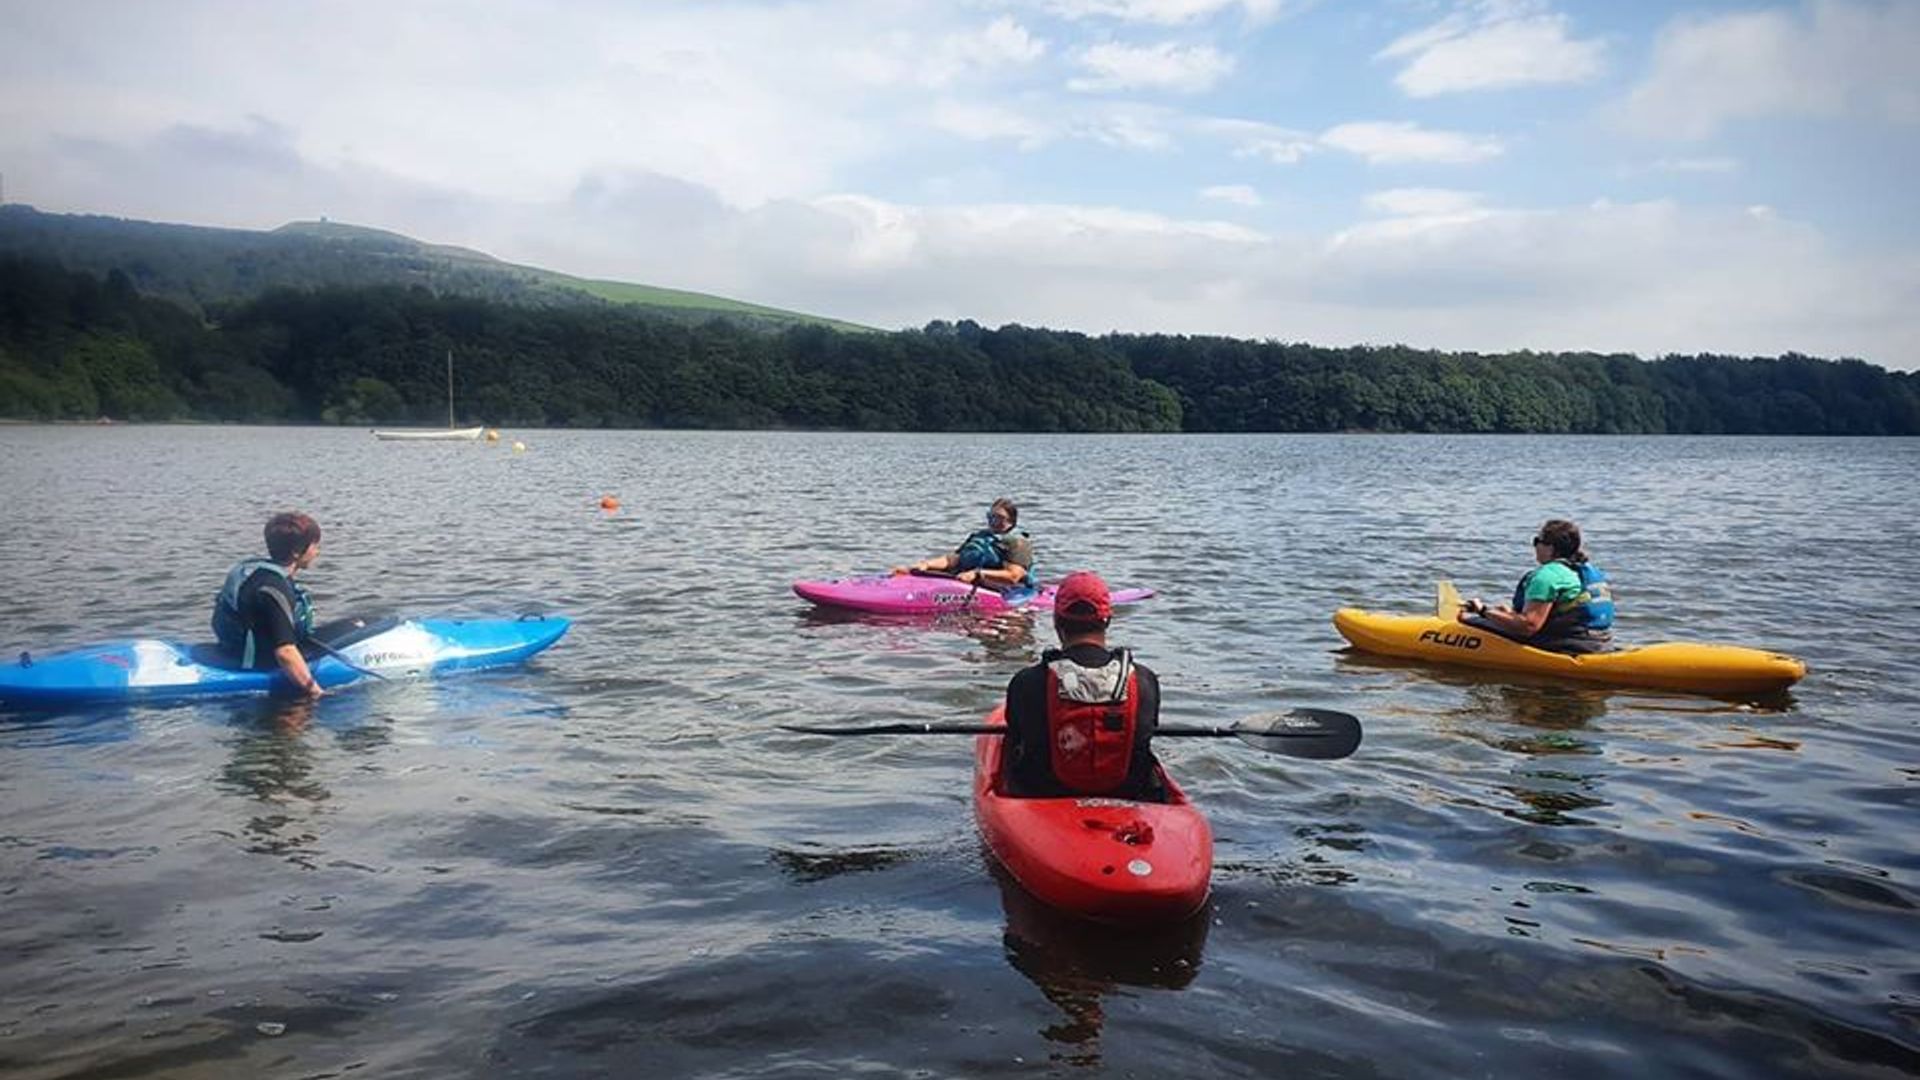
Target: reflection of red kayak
x: 1108, y: 859
x: 910, y: 594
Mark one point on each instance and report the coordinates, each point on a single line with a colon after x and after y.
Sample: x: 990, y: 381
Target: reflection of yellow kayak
x: 1670, y: 665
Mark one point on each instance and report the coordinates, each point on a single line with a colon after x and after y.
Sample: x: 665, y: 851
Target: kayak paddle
x: 1317, y: 734
x: 952, y: 575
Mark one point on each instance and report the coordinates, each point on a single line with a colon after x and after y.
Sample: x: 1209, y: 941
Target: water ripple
x: 610, y: 856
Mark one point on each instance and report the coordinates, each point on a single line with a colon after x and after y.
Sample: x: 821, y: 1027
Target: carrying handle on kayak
x: 1314, y: 734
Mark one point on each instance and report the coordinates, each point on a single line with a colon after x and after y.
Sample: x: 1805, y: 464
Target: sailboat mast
x: 449, y: 389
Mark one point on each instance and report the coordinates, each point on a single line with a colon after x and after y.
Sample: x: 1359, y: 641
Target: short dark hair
x: 1064, y: 624
x: 1563, y: 537
x: 289, y: 534
x: 1006, y: 506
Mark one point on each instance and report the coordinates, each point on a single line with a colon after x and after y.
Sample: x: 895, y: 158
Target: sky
x: 1627, y: 175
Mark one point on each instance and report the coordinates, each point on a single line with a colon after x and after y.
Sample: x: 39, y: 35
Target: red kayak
x: 1114, y: 860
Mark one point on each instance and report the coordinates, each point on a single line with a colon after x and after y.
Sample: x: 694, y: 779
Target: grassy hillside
x: 206, y: 269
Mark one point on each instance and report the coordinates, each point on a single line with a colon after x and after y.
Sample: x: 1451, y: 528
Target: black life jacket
x: 230, y: 626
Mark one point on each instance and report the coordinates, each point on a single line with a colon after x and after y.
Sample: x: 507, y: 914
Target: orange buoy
x: 609, y: 503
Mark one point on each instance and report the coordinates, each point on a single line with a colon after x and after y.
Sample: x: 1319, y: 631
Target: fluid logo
x: 1453, y: 639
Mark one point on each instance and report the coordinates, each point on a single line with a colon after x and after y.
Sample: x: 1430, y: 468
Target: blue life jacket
x: 230, y: 626
x: 1590, y: 610
x: 985, y: 549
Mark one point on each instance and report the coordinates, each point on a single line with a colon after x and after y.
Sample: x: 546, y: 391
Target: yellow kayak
x: 1668, y: 665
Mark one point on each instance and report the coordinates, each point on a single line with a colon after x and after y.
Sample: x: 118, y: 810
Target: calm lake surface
x: 610, y: 863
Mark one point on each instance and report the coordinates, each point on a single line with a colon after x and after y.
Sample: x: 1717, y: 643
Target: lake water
x: 609, y: 862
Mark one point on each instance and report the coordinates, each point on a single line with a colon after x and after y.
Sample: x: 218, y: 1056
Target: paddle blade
x: 1315, y: 734
x: 1447, y: 603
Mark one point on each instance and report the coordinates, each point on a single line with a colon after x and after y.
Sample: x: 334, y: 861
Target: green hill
x: 207, y: 270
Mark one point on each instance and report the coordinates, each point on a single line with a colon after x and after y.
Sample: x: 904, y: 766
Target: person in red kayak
x: 999, y: 556
x: 1081, y: 721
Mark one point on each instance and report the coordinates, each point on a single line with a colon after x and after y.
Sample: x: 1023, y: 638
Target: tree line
x: 78, y: 346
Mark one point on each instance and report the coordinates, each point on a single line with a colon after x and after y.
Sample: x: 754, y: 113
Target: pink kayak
x: 913, y: 594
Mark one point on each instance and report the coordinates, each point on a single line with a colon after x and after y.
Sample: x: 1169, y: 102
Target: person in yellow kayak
x: 1081, y: 721
x: 1565, y: 604
x: 999, y: 556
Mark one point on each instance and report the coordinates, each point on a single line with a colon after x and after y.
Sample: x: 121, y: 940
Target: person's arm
x: 1525, y: 623
x: 1143, y: 773
x: 1005, y: 577
x: 297, y: 672
x: 273, y: 623
x: 1024, y: 768
x: 1537, y: 592
x: 937, y: 564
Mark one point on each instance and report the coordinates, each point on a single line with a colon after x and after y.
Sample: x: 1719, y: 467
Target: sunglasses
x: 1540, y: 542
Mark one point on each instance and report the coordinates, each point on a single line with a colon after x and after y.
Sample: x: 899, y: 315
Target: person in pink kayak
x: 999, y: 556
x: 1081, y: 721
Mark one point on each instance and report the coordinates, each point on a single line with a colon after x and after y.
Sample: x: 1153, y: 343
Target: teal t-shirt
x: 1553, y: 583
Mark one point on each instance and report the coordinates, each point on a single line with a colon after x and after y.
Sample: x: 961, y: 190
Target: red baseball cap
x: 1084, y: 596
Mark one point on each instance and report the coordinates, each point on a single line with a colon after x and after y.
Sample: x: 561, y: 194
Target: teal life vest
x: 230, y: 625
x: 985, y: 549
x: 1589, y: 610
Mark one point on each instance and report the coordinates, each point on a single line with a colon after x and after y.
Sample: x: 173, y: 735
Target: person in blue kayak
x: 999, y: 556
x: 1081, y: 721
x: 1564, y: 604
x: 262, y: 616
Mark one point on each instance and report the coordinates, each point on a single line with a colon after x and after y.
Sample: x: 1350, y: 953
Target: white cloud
x: 1166, y: 66
x: 1253, y: 139
x: 1411, y: 212
x: 1696, y: 165
x: 1002, y: 42
x: 1493, y: 44
x: 1423, y: 201
x: 1646, y: 277
x: 982, y: 121
x: 1132, y: 129
x: 1237, y: 194
x: 1163, y: 12
x: 766, y: 100
x: 1440, y: 269
x: 1830, y: 57
x: 1400, y: 142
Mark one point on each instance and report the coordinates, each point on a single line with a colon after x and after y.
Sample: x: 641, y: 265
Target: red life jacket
x: 1092, y: 716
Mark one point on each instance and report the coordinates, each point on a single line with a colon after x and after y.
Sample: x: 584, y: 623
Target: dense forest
x: 77, y: 346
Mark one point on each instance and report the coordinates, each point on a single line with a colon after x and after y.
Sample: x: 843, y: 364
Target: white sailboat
x: 451, y: 434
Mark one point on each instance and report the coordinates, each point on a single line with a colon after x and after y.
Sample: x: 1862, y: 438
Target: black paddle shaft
x: 1315, y: 734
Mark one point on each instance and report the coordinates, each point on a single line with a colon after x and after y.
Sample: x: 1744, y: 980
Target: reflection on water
x: 1077, y: 964
x: 1004, y: 636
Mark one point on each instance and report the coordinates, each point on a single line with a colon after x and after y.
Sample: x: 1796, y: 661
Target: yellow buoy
x: 518, y: 445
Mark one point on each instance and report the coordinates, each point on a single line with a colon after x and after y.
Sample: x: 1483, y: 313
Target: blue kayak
x: 145, y: 669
